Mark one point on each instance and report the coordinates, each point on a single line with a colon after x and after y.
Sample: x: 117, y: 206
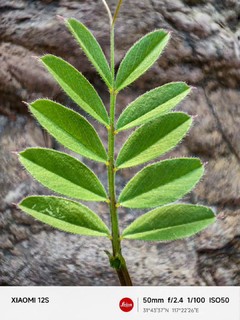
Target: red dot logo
x: 126, y: 304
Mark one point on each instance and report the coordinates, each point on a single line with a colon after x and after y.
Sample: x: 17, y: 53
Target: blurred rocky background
x: 204, y: 52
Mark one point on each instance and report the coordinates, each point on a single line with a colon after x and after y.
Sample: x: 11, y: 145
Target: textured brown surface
x: 205, y: 52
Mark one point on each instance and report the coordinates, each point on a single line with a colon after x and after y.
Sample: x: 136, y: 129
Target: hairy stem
x: 117, y: 261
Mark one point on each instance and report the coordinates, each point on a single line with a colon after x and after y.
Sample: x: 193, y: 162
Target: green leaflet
x: 161, y: 183
x: 170, y: 223
x: 141, y: 57
x: 152, y: 104
x: 63, y: 174
x: 153, y: 139
x: 91, y: 48
x: 66, y: 215
x: 69, y: 128
x: 77, y: 87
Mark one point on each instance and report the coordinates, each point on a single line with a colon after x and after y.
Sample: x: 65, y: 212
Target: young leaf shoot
x: 157, y: 185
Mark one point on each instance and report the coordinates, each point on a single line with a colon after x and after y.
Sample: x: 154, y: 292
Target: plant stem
x: 108, y: 12
x: 116, y: 12
x: 116, y: 260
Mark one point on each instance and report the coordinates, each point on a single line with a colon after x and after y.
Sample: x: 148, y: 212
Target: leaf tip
x: 195, y: 116
x: 221, y: 216
x: 45, y: 57
x: 15, y: 153
x: 36, y: 57
x: 193, y: 88
x: 61, y: 18
x: 15, y: 205
x: 170, y: 32
x: 24, y: 102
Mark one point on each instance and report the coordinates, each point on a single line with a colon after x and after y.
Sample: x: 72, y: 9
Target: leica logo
x: 126, y: 304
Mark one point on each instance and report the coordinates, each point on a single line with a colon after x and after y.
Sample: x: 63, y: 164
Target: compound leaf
x: 63, y: 174
x: 153, y: 139
x: 152, y: 104
x: 170, y: 222
x: 161, y: 183
x: 69, y: 128
x: 66, y: 215
x: 141, y: 57
x: 76, y: 86
x: 91, y: 48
